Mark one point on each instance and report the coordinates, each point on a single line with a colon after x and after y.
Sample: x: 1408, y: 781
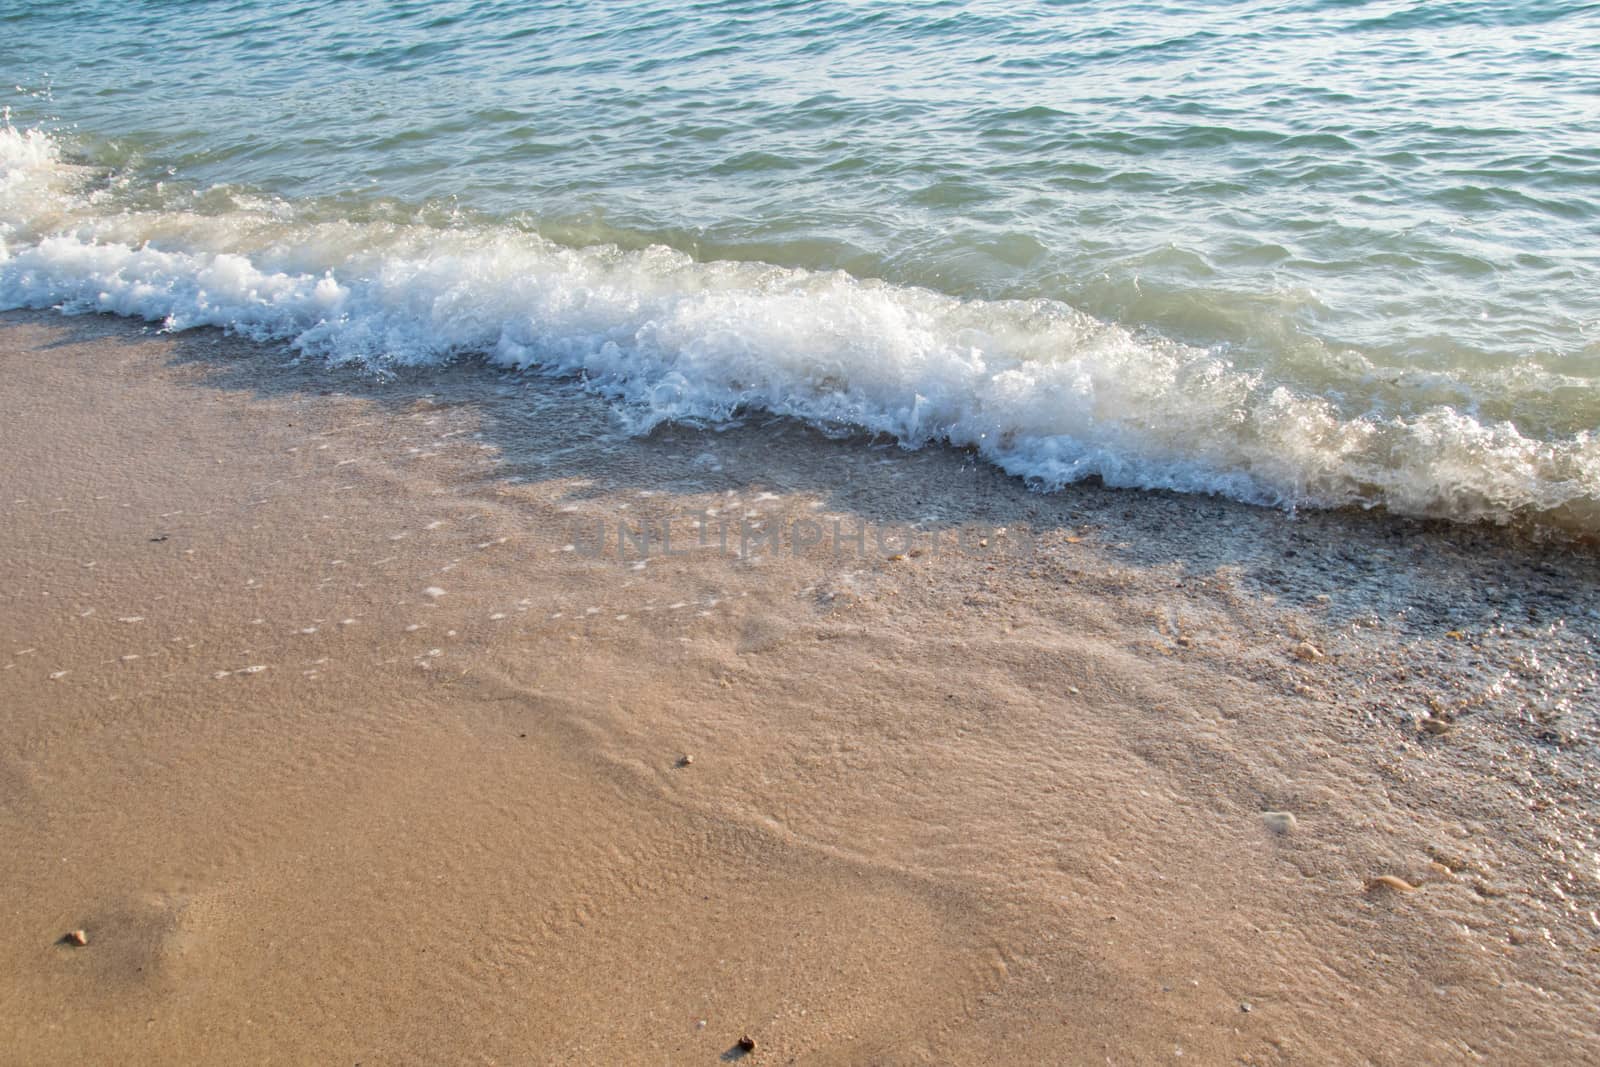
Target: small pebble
x: 77, y: 937
x: 1282, y: 822
x: 685, y: 760
x: 1305, y: 650
x: 1246, y: 1008
x: 747, y: 1043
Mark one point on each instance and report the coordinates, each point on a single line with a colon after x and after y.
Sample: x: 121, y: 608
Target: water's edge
x: 1047, y: 393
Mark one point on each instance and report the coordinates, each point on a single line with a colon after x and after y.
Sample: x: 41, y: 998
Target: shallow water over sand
x: 334, y: 728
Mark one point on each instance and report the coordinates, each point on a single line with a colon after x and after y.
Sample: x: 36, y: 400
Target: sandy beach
x: 330, y: 718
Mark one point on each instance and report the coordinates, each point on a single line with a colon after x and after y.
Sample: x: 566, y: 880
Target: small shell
x: 1389, y: 881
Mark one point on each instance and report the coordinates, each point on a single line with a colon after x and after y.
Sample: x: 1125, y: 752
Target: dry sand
x: 312, y: 722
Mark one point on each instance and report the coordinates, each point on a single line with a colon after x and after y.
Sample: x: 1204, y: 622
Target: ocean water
x: 1312, y: 253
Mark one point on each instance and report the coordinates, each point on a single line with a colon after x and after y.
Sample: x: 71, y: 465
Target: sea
x: 1298, y: 253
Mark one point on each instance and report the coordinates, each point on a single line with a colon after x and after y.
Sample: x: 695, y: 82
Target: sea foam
x: 1044, y: 391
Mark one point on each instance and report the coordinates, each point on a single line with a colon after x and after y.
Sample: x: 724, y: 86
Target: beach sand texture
x: 336, y: 752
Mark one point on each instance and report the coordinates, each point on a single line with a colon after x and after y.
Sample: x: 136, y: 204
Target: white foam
x: 1042, y: 390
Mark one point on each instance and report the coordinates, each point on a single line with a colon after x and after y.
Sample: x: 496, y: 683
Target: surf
x: 1043, y: 390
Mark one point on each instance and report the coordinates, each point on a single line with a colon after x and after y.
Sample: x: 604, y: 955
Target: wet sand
x: 323, y: 718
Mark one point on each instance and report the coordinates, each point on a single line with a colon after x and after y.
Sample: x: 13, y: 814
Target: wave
x: 1044, y: 391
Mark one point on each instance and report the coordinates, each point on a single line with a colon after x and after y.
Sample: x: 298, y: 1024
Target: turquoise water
x: 1303, y: 254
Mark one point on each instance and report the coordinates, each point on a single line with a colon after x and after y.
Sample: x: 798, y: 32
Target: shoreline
x: 334, y: 750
